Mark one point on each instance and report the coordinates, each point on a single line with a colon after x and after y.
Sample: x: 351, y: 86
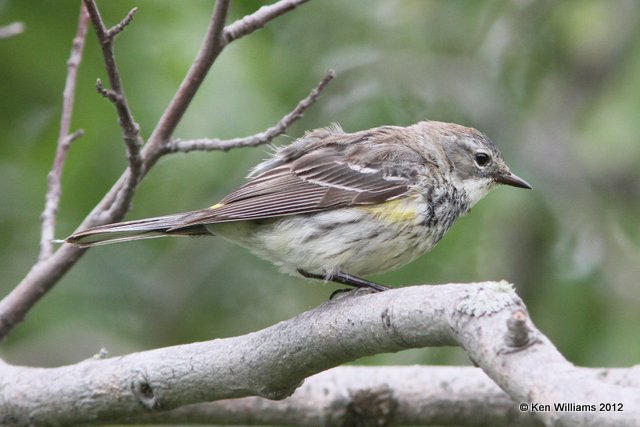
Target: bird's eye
x: 482, y: 159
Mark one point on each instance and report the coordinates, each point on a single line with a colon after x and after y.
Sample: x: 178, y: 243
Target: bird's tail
x: 171, y: 225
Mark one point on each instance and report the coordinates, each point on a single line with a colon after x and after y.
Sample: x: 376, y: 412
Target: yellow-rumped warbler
x: 335, y: 205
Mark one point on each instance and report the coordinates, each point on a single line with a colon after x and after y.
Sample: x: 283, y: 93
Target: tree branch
x: 353, y: 395
x: 39, y: 280
x: 272, y: 362
x: 112, y: 32
x: 397, y: 395
x: 50, y: 267
x: 115, y: 204
x: 54, y: 189
x: 130, y: 128
x: 211, y: 144
x: 259, y: 19
x: 211, y: 47
x: 216, y: 40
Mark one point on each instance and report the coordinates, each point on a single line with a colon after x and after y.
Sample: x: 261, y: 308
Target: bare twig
x: 271, y: 363
x: 118, y: 28
x: 211, y: 47
x: 110, y: 94
x: 259, y: 19
x: 215, y: 40
x: 54, y: 189
x: 115, y: 204
x: 130, y: 128
x: 11, y: 30
x: 206, y: 144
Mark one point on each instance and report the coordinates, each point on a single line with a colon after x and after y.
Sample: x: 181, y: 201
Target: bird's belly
x: 357, y: 240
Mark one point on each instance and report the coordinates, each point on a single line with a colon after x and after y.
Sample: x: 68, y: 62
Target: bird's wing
x: 317, y: 181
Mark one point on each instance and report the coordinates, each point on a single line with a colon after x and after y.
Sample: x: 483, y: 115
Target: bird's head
x: 472, y: 160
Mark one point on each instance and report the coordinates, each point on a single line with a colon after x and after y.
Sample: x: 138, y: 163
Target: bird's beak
x: 508, y: 178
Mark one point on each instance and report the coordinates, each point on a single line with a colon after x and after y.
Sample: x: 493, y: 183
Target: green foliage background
x: 555, y: 84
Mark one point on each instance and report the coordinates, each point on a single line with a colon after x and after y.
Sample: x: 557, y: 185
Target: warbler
x: 336, y: 206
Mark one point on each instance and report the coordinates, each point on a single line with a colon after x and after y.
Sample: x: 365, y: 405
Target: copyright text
x: 570, y: 407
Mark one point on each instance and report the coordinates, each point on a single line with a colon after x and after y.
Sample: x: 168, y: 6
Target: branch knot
x: 518, y: 332
x: 375, y: 406
x: 144, y: 393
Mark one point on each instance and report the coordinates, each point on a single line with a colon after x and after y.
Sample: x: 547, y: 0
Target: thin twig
x: 111, y: 95
x: 211, y: 47
x: 240, y: 28
x: 11, y: 30
x: 216, y: 39
x: 115, y: 204
x: 130, y: 128
x: 206, y: 144
x: 258, y: 19
x: 118, y: 28
x: 54, y: 188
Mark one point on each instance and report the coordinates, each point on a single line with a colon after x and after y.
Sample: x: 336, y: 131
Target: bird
x: 338, y: 206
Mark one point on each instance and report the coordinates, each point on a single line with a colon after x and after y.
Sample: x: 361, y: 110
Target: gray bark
x: 487, y: 319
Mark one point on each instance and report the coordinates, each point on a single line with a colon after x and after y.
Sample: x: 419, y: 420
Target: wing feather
x: 323, y: 179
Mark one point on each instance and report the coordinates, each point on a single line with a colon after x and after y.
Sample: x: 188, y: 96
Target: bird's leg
x: 345, y: 279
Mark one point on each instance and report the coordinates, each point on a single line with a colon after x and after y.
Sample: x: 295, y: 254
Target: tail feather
x: 171, y: 225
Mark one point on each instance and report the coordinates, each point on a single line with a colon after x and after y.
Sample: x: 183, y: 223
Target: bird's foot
x: 344, y: 279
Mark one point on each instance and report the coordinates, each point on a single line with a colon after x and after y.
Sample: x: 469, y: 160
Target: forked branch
x: 211, y: 47
x: 211, y: 144
x: 117, y: 201
x: 54, y: 188
x: 271, y: 363
x: 130, y: 128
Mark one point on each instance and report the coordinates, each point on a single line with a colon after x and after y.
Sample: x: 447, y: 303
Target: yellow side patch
x: 217, y: 205
x: 398, y: 210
